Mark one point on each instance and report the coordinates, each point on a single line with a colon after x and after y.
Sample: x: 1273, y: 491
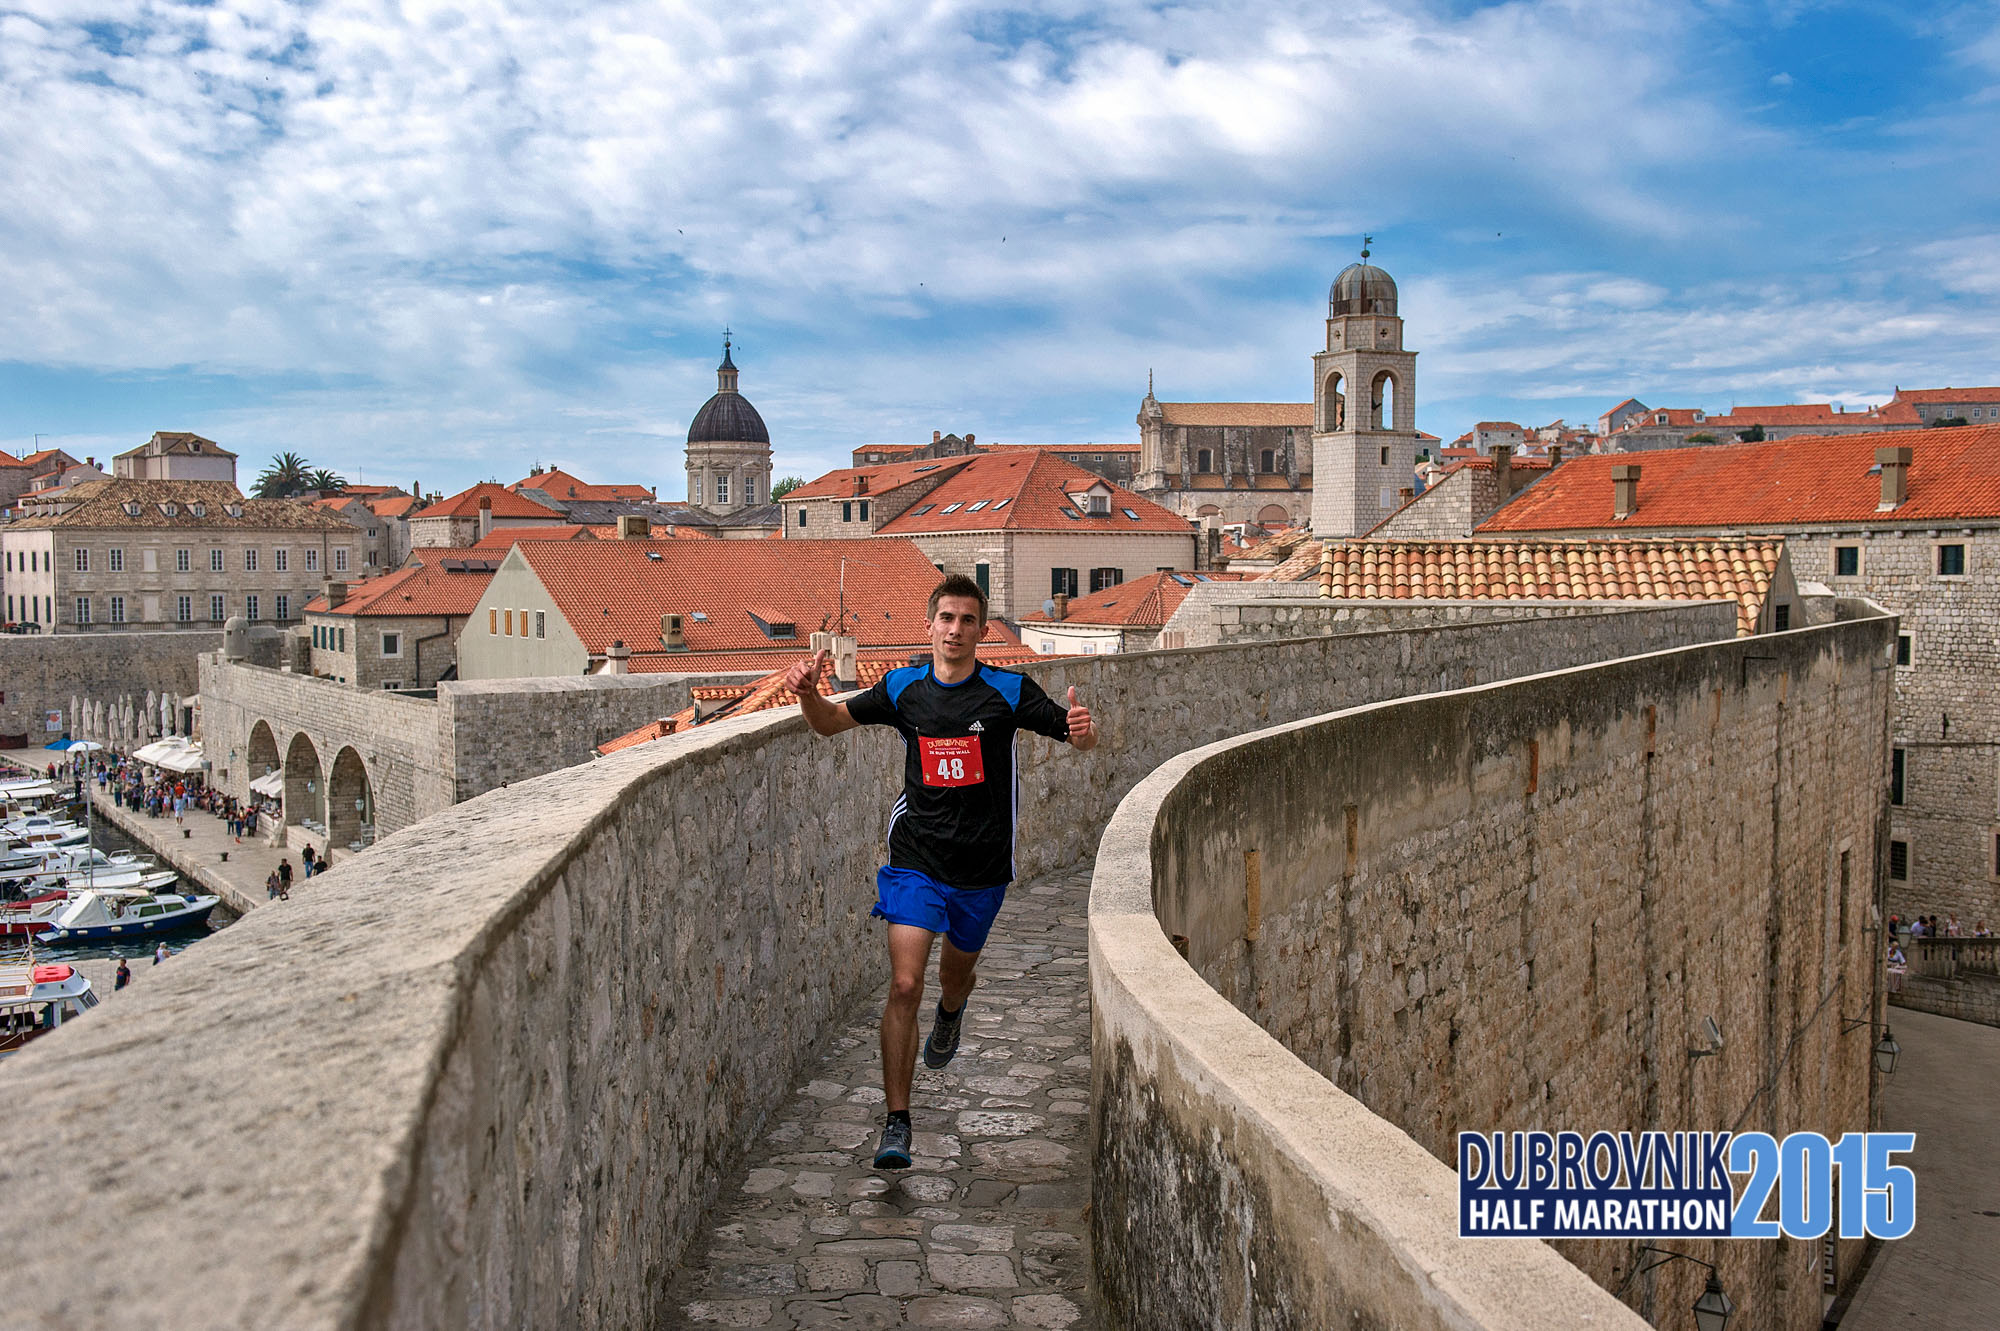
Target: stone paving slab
x: 987, y: 1228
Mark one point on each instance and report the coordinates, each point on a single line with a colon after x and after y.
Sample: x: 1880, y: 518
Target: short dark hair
x: 957, y: 584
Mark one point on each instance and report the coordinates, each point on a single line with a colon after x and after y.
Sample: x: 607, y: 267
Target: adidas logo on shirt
x: 977, y: 728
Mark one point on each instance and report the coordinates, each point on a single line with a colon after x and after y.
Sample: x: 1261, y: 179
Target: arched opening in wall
x: 1273, y: 516
x: 1208, y: 511
x: 263, y: 759
x: 305, y: 785
x: 350, y: 803
x: 1382, y: 402
x: 1333, y: 404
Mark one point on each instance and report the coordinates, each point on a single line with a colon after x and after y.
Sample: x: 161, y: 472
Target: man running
x: 951, y: 833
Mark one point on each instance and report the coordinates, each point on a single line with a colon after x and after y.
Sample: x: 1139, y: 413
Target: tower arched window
x: 1382, y: 402
x: 1334, y: 404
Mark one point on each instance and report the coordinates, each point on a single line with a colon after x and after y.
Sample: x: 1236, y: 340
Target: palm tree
x: 287, y: 475
x: 326, y: 482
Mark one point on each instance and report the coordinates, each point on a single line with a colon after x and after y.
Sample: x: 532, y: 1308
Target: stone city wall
x: 40, y: 674
x: 1504, y: 907
x: 492, y: 1070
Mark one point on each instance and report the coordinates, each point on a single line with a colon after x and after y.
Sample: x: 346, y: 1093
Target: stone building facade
x: 175, y: 455
x: 728, y: 449
x: 115, y: 555
x: 1236, y: 462
x: 1906, y: 520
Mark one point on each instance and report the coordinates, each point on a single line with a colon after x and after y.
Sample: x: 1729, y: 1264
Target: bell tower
x: 1364, y: 405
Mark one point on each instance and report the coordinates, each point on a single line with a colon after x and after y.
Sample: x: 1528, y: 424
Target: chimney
x: 616, y: 657
x: 671, y: 636
x: 1503, y: 466
x: 1061, y: 610
x: 819, y: 642
x: 845, y: 662
x: 633, y: 527
x: 1555, y: 456
x: 861, y: 484
x: 485, y: 517
x: 968, y: 441
x: 937, y: 435
x: 1895, y: 465
x: 336, y: 592
x: 1407, y: 493
x: 1624, y: 489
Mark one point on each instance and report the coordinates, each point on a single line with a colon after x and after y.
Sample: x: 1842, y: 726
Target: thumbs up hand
x: 1082, y: 730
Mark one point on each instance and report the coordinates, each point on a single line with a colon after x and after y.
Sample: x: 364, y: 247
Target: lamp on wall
x: 1886, y: 1048
x: 1714, y: 1041
x: 1712, y: 1310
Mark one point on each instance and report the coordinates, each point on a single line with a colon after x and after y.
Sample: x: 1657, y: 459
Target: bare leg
x: 956, y: 976
x: 909, y: 954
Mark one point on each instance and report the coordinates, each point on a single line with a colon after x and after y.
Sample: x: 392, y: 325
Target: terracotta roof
x: 1076, y: 448
x: 882, y: 477
x: 9, y: 460
x: 177, y: 441
x: 617, y: 591
x: 1628, y: 402
x: 393, y: 506
x: 416, y: 589
x: 889, y: 448
x: 1028, y: 491
x: 1955, y: 475
x: 770, y: 692
x: 658, y: 531
x: 559, y: 485
x: 1947, y: 395
x: 1146, y: 602
x: 1238, y: 413
x: 1787, y: 413
x: 1603, y: 570
x: 46, y: 455
x: 1279, y: 544
x: 506, y: 504
x: 370, y: 492
x: 101, y: 504
x: 1499, y: 425
x: 501, y: 538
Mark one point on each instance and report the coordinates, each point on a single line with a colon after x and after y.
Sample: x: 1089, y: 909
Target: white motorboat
x: 34, y: 1000
x: 100, y: 915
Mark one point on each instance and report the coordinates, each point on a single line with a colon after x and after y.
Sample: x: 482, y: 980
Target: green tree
x: 784, y: 486
x: 288, y: 475
x: 1702, y: 438
x: 326, y: 482
x: 1944, y: 422
x: 1753, y: 435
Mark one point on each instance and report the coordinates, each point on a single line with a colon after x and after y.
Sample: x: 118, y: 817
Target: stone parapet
x: 1320, y: 951
x: 492, y: 1070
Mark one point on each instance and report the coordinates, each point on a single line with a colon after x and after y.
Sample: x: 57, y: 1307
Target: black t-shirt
x: 955, y: 817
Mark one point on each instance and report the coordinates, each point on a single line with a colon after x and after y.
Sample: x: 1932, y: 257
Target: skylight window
x: 1072, y: 514
x: 699, y: 616
x: 1129, y: 513
x: 977, y: 505
x: 933, y: 467
x: 999, y: 504
x: 925, y: 509
x: 950, y: 508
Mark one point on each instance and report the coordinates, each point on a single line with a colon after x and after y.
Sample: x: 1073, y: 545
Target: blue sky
x: 442, y: 241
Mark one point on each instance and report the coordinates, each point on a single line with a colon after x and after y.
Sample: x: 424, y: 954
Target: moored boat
x: 100, y: 915
x: 35, y: 999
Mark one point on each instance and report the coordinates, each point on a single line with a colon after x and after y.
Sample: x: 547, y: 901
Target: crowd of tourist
x: 170, y: 795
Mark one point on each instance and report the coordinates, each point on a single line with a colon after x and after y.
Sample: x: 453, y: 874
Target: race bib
x: 951, y: 762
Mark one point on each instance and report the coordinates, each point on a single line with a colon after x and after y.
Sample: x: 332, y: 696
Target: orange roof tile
x: 500, y: 538
x: 1028, y: 491
x: 506, y: 504
x: 1146, y: 602
x: 415, y: 589
x: 1669, y: 569
x: 1076, y: 448
x: 394, y: 506
x: 1499, y: 425
x: 1238, y: 413
x: 658, y: 531
x: 560, y: 485
x: 1807, y: 479
x: 9, y: 460
x: 882, y: 477
x: 617, y: 590
x: 1948, y: 395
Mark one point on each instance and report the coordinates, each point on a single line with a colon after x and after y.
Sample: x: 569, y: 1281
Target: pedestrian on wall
x: 310, y: 860
x: 124, y: 975
x: 284, y: 878
x: 271, y: 886
x: 160, y: 953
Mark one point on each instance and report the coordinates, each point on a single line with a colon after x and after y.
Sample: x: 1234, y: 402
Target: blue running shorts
x: 962, y: 915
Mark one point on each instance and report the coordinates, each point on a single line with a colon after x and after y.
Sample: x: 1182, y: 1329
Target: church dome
x: 1361, y: 288
x: 728, y: 418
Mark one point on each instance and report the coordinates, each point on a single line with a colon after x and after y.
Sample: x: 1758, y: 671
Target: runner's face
x: 956, y: 627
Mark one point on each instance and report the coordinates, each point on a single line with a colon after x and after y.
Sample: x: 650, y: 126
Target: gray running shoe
x: 943, y: 1043
x: 894, y: 1152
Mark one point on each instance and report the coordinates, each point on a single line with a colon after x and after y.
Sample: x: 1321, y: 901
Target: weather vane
x: 1366, y: 241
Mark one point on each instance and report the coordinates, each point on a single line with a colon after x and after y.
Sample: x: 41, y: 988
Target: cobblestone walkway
x: 987, y: 1228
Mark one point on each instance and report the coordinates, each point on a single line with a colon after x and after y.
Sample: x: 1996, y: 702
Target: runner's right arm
x: 826, y: 718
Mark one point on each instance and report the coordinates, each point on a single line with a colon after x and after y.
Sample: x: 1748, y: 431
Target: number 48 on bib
x: 951, y: 762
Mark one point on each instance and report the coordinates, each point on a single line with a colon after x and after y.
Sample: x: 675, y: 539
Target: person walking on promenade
x: 951, y: 832
x: 285, y: 879
x: 124, y: 976
x: 271, y: 886
x: 160, y: 954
